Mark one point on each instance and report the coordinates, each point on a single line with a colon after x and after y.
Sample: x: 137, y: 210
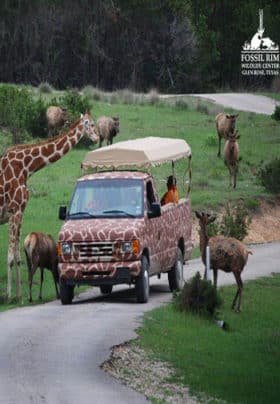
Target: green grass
x: 53, y: 186
x: 240, y: 365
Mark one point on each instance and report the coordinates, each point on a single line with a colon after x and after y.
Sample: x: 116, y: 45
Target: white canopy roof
x: 144, y: 152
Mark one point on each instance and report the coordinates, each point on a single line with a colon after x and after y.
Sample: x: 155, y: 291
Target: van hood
x: 101, y: 229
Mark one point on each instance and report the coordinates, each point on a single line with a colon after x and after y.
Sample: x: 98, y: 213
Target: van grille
x: 98, y: 249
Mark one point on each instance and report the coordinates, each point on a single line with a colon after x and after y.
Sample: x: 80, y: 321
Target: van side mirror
x: 155, y: 210
x: 62, y: 212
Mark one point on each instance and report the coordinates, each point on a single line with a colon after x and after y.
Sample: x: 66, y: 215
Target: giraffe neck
x: 27, y: 159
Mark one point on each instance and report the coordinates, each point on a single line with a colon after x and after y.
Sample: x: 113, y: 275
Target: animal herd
x: 20, y: 161
x: 106, y: 127
x: 225, y: 125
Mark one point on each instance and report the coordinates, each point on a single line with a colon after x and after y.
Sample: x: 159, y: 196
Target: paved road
x: 51, y: 353
x: 259, y: 104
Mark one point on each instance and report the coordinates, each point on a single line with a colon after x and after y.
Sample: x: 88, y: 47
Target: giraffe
x: 16, y: 166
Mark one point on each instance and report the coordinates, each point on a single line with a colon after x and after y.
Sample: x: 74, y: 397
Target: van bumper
x: 97, y: 274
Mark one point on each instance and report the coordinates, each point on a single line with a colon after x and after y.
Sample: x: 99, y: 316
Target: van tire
x: 142, y: 287
x: 66, y: 292
x: 106, y: 289
x: 176, y: 275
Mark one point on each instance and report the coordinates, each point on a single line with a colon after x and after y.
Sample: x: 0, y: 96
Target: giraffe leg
x: 11, y: 256
x: 14, y: 255
x: 18, y: 258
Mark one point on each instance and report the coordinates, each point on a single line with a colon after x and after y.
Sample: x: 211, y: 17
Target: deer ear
x: 197, y: 215
x: 228, y: 116
x: 81, y: 116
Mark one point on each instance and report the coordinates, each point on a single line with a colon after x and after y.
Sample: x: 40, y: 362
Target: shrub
x: 45, y: 88
x: 276, y: 85
x: 198, y: 296
x: 235, y: 221
x: 75, y: 102
x: 269, y: 176
x: 126, y: 96
x: 35, y: 119
x: 20, y: 113
x: 276, y: 113
x: 92, y: 93
x: 202, y: 108
x: 181, y: 104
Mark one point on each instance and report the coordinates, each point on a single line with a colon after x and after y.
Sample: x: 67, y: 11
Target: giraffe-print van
x: 114, y: 227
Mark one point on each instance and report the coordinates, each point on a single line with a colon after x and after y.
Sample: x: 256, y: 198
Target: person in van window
x: 171, y: 195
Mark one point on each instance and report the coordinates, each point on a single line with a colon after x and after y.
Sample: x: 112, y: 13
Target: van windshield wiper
x: 77, y: 214
x: 117, y: 211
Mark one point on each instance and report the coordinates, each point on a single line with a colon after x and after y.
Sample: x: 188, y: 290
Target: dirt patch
x: 264, y: 227
x: 133, y: 367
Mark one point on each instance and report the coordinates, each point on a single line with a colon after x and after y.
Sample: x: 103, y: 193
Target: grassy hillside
x: 52, y: 186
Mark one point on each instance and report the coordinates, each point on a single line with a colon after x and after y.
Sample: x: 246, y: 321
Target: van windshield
x: 106, y: 198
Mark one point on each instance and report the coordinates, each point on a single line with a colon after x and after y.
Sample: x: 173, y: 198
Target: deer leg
x: 30, y: 277
x: 234, y: 179
x: 215, y: 274
x: 237, y: 297
x: 56, y: 288
x: 205, y: 273
x: 41, y: 282
x: 219, y: 147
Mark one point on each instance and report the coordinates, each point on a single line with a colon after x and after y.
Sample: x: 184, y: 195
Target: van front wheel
x: 106, y: 289
x: 142, y: 287
x: 66, y: 292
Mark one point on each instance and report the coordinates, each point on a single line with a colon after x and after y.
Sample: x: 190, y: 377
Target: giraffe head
x: 89, y: 127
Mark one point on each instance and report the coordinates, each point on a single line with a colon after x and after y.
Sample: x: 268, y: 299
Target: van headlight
x: 66, y: 248
x: 129, y: 247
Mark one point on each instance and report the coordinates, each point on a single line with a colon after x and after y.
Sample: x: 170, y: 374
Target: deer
x: 107, y: 128
x: 57, y: 117
x: 40, y: 251
x: 231, y: 154
x: 226, y: 253
x: 225, y: 125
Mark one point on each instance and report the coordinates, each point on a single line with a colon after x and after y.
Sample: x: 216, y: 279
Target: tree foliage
x: 173, y: 45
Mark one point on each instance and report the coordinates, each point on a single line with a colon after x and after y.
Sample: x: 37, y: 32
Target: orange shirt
x: 170, y: 196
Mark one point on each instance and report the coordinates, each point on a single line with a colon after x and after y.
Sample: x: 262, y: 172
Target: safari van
x: 115, y: 231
